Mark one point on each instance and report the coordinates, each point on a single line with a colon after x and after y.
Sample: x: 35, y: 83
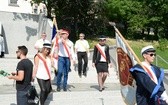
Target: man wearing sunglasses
x: 149, y: 80
x: 22, y: 75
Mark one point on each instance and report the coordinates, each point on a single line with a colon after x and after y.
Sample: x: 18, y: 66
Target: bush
x: 163, y: 44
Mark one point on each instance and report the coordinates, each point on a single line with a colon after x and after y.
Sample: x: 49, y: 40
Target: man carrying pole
x: 149, y: 78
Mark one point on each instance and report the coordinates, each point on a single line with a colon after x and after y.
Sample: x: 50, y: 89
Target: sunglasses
x: 152, y: 54
x: 102, y: 40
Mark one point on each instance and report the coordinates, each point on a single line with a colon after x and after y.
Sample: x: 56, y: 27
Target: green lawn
x: 136, y: 46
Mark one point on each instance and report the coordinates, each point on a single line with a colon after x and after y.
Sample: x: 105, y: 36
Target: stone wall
x: 23, y: 29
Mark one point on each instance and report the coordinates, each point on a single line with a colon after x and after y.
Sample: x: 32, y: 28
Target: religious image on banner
x: 124, y: 64
x: 125, y: 60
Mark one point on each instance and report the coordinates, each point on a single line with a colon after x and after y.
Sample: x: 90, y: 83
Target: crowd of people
x: 59, y: 55
x: 62, y: 52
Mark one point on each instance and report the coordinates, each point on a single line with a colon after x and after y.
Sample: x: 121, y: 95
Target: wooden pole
x: 125, y: 42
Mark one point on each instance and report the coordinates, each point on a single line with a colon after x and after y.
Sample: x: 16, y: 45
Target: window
x: 13, y: 3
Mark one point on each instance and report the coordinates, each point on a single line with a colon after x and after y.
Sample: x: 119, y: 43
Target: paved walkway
x: 81, y: 91
x: 74, y: 98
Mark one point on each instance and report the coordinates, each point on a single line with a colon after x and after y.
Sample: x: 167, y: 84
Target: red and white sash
x: 45, y: 65
x: 101, y: 52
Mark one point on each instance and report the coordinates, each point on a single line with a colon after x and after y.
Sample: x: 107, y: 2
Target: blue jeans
x: 63, y: 69
x: 22, y: 98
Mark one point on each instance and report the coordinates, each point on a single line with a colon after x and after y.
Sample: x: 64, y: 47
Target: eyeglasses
x: 102, y: 40
x: 152, y: 54
x: 81, y: 36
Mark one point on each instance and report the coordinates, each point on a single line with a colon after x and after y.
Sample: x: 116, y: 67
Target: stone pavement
x: 81, y: 91
x: 74, y: 98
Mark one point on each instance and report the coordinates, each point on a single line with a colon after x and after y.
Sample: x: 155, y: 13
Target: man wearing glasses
x: 23, y: 75
x: 149, y: 80
x: 82, y: 51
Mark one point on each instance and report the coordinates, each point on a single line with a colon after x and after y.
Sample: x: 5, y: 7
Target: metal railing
x: 158, y: 56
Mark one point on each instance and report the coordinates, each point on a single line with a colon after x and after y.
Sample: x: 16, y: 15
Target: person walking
x: 101, y: 60
x: 23, y: 75
x: 82, y: 51
x: 149, y: 80
x: 2, y: 46
x: 39, y: 43
x: 42, y: 71
x: 65, y: 56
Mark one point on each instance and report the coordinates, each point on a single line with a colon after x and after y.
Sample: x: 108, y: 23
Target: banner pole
x: 116, y: 30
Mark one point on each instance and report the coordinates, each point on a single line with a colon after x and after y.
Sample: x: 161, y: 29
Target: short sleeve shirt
x: 27, y: 66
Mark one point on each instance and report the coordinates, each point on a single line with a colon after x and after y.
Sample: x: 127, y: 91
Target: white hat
x: 47, y: 45
x: 146, y: 49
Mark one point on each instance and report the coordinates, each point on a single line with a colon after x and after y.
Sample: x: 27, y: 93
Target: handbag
x: 33, y: 98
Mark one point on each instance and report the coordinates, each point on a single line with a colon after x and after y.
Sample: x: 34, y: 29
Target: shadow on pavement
x: 13, y: 104
x: 95, y: 87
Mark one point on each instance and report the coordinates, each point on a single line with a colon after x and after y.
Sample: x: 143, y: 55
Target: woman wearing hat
x: 42, y: 71
x: 149, y: 80
x: 101, y: 59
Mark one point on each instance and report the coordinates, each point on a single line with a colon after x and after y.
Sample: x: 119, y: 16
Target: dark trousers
x: 22, y: 98
x: 2, y: 55
x: 82, y: 56
x: 45, y: 86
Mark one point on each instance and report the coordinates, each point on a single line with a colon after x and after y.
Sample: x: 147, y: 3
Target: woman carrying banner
x: 101, y: 59
x: 42, y: 71
x: 149, y: 80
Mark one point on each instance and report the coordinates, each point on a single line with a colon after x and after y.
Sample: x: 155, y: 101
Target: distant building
x: 22, y: 6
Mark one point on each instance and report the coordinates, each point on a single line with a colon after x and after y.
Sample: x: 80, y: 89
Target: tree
x: 79, y: 15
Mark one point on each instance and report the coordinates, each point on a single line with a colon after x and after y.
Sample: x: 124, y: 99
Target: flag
x: 54, y: 30
x: 125, y: 60
x: 54, y: 40
x: 53, y: 37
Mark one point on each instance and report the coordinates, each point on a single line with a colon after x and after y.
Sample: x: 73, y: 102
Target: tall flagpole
x: 137, y: 59
x: 56, y: 26
x: 55, y: 22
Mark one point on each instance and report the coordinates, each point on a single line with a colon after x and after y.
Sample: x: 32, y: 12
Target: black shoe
x: 103, y: 88
x: 65, y: 89
x: 85, y: 74
x: 58, y: 89
x: 80, y: 75
x: 100, y: 90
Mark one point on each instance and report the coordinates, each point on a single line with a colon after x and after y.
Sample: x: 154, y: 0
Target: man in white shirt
x: 82, y: 51
x: 39, y: 43
x: 65, y: 56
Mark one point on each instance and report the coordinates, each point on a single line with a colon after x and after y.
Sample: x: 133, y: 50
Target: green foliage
x: 138, y: 45
x: 163, y: 44
x: 91, y: 18
x: 137, y: 15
